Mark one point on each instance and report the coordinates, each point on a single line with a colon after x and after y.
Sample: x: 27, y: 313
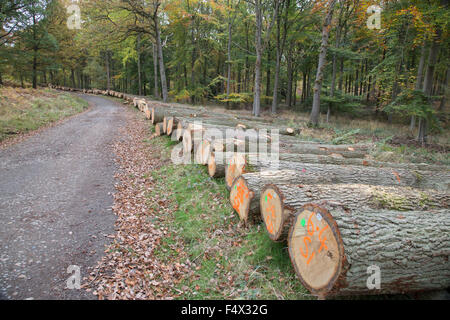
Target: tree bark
x: 295, y: 173
x: 279, y: 203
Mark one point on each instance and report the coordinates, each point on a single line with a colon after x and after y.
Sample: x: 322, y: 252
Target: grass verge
x: 24, y: 110
x: 232, y: 262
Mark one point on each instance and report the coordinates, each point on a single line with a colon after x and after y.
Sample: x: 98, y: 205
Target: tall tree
x: 314, y: 119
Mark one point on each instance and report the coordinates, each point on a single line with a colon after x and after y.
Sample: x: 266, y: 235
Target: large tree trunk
x: 338, y: 251
x: 279, y: 203
x: 321, y: 66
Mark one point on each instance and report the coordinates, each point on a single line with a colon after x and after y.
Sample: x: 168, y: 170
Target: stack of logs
x: 342, y: 215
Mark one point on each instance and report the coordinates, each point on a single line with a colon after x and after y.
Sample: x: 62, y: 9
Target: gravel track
x: 55, y: 203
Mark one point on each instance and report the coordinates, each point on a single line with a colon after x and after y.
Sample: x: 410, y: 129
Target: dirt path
x: 55, y: 203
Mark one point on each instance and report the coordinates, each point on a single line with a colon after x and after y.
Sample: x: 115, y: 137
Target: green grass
x: 23, y: 110
x: 232, y: 262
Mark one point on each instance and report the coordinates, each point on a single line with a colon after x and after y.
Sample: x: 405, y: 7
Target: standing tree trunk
x: 155, y: 71
x: 321, y: 66
x: 162, y: 69
x: 419, y: 80
x: 108, y: 75
x: 138, y: 49
x: 258, y: 45
x: 428, y: 85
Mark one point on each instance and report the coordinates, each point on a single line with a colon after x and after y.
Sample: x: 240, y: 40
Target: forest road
x: 55, y: 204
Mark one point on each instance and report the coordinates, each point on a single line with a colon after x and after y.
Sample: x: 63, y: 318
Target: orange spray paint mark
x: 397, y: 176
x: 242, y: 192
x: 311, y: 229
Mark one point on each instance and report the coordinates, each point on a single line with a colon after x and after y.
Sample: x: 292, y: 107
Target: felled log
x: 337, y: 251
x: 159, y: 129
x: 347, y: 151
x: 191, y: 137
x: 158, y: 115
x: 328, y: 174
x: 246, y: 189
x: 147, y: 112
x: 202, y: 153
x: 290, y: 131
x: 347, y: 173
x: 172, y: 123
x: 279, y: 203
x: 142, y: 105
x: 216, y: 168
x: 340, y: 160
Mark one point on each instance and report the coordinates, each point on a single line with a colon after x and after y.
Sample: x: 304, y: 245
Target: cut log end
x: 212, y: 167
x: 187, y: 142
x: 240, y: 198
x: 234, y: 169
x: 170, y: 125
x: 316, y: 249
x: 272, y: 212
x: 180, y: 131
x: 159, y: 129
x: 216, y: 168
x: 148, y: 114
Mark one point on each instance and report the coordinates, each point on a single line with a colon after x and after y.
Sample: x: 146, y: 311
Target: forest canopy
x: 380, y: 58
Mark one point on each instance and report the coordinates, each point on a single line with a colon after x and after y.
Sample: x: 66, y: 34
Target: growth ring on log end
x: 316, y: 249
x: 240, y: 198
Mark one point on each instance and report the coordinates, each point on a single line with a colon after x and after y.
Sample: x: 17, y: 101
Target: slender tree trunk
x: 333, y: 76
x: 268, y: 73
x: 162, y: 69
x: 108, y: 72
x: 229, y: 57
x: 290, y: 73
x: 277, y: 70
x: 321, y: 66
x: 444, y: 91
x: 258, y: 45
x: 427, y: 85
x: 138, y: 49
x: 419, y: 80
